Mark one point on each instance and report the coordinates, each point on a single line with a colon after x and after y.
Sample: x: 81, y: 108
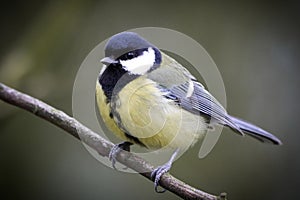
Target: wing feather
x: 201, y: 102
x: 175, y: 82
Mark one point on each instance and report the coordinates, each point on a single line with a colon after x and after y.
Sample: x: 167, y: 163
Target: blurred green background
x: 254, y: 44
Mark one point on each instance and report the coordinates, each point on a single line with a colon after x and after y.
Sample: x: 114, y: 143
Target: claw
x: 116, y: 149
x: 159, y: 171
x: 156, y: 175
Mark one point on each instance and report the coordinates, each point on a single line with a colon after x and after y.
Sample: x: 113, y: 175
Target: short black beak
x: 107, y: 61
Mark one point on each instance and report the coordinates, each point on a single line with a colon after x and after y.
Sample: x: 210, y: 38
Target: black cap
x: 125, y: 42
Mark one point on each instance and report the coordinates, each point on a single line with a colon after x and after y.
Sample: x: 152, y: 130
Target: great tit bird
x: 147, y: 98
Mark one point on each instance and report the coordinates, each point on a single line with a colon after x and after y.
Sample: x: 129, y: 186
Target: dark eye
x: 130, y: 55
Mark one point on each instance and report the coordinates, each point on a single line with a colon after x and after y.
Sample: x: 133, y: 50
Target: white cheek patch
x: 141, y: 64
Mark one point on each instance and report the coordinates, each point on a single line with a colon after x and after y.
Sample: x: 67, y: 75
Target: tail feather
x: 255, y: 131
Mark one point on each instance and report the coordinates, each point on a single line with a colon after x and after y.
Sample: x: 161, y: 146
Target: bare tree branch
x: 102, y: 146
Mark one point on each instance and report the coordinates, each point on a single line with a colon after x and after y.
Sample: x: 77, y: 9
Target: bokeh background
x: 254, y: 44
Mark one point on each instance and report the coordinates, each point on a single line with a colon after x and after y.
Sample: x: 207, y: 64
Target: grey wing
x: 201, y: 102
x: 193, y: 97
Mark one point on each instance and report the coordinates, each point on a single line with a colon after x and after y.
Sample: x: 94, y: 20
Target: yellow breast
x: 145, y: 114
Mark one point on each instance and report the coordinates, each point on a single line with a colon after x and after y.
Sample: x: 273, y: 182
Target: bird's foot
x: 116, y: 149
x: 159, y: 171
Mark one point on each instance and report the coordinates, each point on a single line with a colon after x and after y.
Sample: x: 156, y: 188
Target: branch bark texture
x: 102, y: 146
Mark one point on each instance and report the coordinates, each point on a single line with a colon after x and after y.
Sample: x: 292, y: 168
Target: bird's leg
x: 160, y: 170
x: 116, y: 149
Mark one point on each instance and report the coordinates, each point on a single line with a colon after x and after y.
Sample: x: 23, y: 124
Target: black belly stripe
x: 135, y: 139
